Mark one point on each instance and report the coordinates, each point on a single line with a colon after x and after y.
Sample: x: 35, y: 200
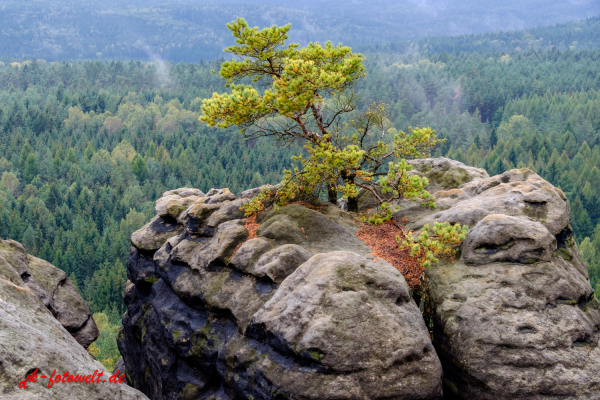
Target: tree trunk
x: 332, y: 195
x: 353, y: 204
x: 352, y: 201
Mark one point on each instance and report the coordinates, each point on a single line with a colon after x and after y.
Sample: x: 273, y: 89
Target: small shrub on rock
x: 444, y: 241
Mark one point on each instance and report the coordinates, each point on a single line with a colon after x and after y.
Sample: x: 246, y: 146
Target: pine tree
x: 493, y: 138
x: 139, y: 168
x: 31, y: 168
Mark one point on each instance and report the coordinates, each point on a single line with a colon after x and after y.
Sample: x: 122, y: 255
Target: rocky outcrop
x: 32, y: 337
x: 301, y: 311
x: 515, y: 317
x: 54, y: 290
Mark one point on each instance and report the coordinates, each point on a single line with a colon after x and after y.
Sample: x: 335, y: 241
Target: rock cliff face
x: 38, y: 306
x: 54, y: 290
x: 301, y: 311
x: 516, y: 316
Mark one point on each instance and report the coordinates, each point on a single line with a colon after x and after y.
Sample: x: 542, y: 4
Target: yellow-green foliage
x: 442, y: 242
x: 307, y: 91
x: 105, y: 347
x: 298, y: 77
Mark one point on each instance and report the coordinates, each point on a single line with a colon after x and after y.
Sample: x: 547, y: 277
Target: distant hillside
x: 195, y: 30
x: 575, y: 35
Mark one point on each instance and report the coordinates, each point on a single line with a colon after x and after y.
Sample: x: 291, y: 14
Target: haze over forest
x: 195, y: 30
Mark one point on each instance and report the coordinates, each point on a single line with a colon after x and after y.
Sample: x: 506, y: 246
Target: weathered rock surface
x: 252, y: 193
x: 54, y: 290
x: 515, y: 317
x: 174, y: 202
x: 32, y: 338
x: 443, y: 174
x: 303, y: 311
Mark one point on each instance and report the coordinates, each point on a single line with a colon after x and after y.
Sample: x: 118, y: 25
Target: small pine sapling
x: 444, y: 241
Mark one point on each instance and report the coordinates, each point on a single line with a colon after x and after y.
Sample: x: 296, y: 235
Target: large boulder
x: 515, y: 317
x: 54, y: 290
x: 32, y: 338
x: 301, y: 311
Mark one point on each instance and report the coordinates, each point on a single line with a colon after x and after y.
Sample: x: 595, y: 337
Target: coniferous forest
x: 87, y: 146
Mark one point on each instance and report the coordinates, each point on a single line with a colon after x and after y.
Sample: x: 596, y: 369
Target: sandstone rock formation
x: 515, y: 317
x: 32, y: 338
x: 54, y: 289
x: 301, y: 311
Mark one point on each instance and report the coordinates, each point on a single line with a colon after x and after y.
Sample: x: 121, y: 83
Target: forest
x: 195, y: 29
x: 574, y: 35
x: 87, y: 146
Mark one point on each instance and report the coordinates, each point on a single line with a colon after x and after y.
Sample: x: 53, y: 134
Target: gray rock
x: 172, y: 205
x: 228, y: 211
x: 507, y: 330
x: 279, y: 263
x: 119, y: 367
x: 499, y: 237
x: 515, y: 316
x: 185, y: 192
x: 195, y: 218
x: 43, y: 279
x: 356, y: 319
x: 514, y: 193
x: 87, y: 333
x: 187, y: 334
x: 216, y: 196
x: 343, y: 204
x: 155, y: 233
x: 313, y: 230
x: 33, y: 339
x: 443, y: 174
x: 71, y: 310
x: 249, y: 253
x: 54, y: 290
x: 14, y: 253
x: 252, y: 193
x: 217, y: 192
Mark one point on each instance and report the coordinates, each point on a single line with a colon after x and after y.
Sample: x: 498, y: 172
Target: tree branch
x: 318, y: 118
x: 379, y: 198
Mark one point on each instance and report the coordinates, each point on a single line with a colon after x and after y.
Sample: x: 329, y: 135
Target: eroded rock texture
x: 54, y: 289
x: 32, y: 338
x: 515, y: 317
x: 303, y: 311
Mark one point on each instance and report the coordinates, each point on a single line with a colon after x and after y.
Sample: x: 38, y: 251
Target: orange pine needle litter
x: 251, y: 226
x: 382, y: 239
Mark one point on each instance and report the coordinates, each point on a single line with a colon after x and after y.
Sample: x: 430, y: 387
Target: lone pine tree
x: 306, y: 94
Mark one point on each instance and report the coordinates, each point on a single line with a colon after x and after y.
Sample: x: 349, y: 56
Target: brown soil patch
x: 251, y: 226
x: 382, y: 239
